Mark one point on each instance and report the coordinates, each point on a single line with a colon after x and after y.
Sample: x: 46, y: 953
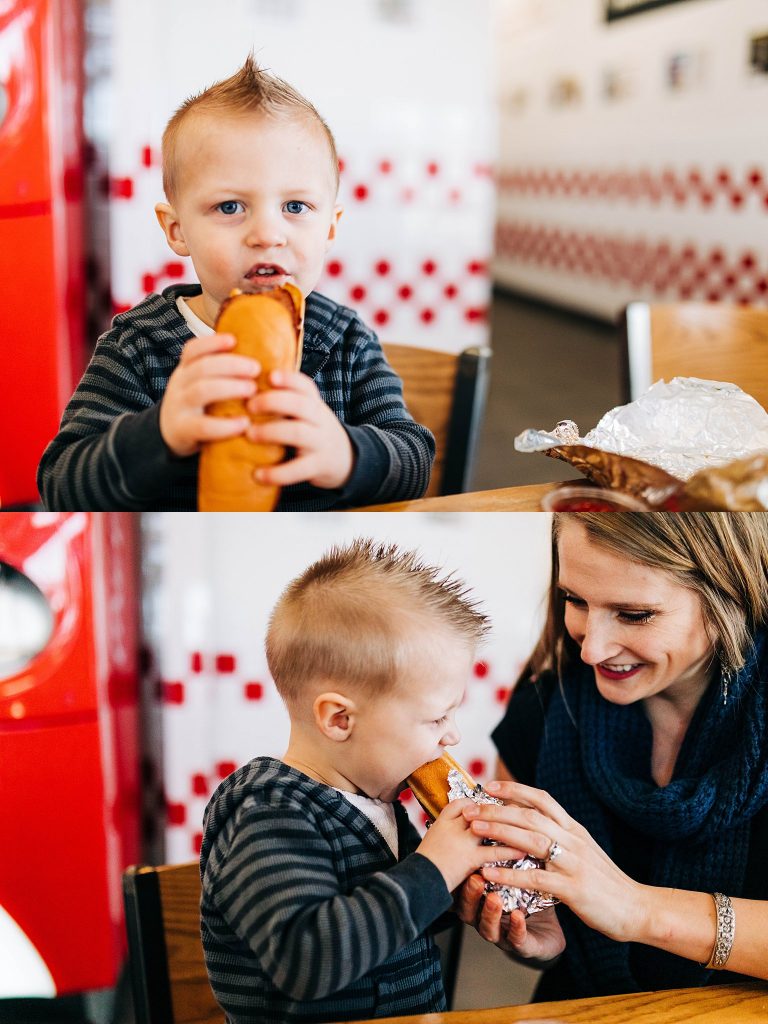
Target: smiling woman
x: 642, y: 721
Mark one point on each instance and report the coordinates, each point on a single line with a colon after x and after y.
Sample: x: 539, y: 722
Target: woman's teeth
x: 619, y: 668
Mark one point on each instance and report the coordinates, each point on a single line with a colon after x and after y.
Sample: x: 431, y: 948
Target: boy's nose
x: 264, y: 233
x: 451, y: 737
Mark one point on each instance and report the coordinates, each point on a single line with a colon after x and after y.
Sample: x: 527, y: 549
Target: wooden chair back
x: 446, y: 393
x: 713, y: 341
x: 168, y: 974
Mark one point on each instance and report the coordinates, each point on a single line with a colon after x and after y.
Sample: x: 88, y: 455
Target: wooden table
x: 716, y: 1004
x: 506, y: 499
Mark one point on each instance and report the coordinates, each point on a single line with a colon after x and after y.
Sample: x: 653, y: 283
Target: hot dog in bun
x: 429, y: 784
x: 268, y: 327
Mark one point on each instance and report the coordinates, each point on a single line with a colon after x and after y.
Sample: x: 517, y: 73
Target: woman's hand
x: 581, y: 875
x: 536, y: 938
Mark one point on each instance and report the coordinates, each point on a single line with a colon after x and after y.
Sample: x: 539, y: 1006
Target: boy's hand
x: 207, y: 372
x: 324, y: 455
x: 456, y: 851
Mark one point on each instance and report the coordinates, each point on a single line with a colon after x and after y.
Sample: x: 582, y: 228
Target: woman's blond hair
x: 251, y: 90
x: 721, y: 556
x: 355, y: 617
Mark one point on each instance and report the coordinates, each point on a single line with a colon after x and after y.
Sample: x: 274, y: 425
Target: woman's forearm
x: 685, y: 923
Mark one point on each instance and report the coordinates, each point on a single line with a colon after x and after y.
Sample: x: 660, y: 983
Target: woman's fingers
x: 527, y: 796
x: 535, y: 879
x: 531, y: 844
x: 489, y: 922
x: 469, y: 898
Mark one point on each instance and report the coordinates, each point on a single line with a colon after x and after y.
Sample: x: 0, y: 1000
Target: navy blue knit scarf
x: 698, y: 826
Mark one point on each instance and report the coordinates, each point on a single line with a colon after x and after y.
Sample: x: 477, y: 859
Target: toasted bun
x: 429, y: 784
x: 267, y: 326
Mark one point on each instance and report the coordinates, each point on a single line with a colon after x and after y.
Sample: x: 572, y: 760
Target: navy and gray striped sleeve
x: 277, y: 887
x: 109, y: 453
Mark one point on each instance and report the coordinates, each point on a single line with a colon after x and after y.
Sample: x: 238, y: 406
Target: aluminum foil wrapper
x: 686, y: 444
x: 511, y: 898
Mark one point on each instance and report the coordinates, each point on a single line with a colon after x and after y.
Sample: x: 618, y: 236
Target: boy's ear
x: 337, y: 212
x: 334, y: 715
x: 171, y: 225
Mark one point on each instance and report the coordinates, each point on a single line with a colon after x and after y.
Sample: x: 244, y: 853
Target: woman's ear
x: 169, y: 221
x: 334, y: 715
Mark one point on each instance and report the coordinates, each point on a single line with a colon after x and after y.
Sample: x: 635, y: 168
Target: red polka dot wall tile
x: 682, y: 186
x: 642, y: 266
x: 662, y: 233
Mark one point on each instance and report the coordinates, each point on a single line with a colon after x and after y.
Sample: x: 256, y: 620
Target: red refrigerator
x: 68, y: 747
x: 41, y: 231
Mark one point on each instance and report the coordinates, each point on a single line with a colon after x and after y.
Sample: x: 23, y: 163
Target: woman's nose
x: 596, y: 642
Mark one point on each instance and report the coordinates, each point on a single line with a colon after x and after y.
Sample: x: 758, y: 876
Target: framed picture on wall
x: 615, y: 9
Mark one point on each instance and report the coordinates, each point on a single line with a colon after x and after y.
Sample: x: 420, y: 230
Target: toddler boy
x: 317, y: 891
x: 250, y: 173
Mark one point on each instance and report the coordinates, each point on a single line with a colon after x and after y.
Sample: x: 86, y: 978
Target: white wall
x: 674, y: 244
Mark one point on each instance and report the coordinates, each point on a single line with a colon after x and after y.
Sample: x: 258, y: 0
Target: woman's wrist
x: 679, y: 921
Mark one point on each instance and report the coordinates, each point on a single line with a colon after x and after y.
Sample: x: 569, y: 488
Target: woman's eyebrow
x: 616, y: 605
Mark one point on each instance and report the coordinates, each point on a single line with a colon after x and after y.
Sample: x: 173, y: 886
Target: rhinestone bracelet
x: 726, y: 929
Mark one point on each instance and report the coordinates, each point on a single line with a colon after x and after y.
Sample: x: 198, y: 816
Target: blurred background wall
x: 632, y: 164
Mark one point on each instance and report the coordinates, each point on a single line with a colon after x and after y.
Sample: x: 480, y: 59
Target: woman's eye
x: 441, y: 721
x: 570, y: 599
x: 229, y: 207
x: 636, y: 616
x: 295, y: 206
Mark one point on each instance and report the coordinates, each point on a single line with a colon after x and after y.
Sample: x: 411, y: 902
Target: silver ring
x: 553, y: 852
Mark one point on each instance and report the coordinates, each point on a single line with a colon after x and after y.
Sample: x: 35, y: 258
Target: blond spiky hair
x: 350, y: 618
x: 251, y: 90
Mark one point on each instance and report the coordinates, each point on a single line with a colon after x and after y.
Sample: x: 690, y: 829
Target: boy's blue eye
x: 295, y: 206
x: 230, y: 207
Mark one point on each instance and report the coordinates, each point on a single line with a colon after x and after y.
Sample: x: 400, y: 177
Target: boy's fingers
x: 225, y: 364
x: 282, y: 403
x: 197, y: 347
x: 216, y: 389
x: 216, y: 428
x: 294, y: 471
x: 453, y: 809
x: 291, y: 433
x: 293, y: 380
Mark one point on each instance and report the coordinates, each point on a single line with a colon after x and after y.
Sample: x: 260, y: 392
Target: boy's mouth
x: 265, y: 272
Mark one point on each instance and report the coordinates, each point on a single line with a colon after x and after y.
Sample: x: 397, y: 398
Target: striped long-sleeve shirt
x: 109, y: 453
x: 306, y: 915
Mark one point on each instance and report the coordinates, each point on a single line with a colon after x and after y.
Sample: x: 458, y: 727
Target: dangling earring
x: 726, y: 678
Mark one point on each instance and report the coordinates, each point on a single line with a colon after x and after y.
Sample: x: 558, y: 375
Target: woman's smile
x: 624, y: 671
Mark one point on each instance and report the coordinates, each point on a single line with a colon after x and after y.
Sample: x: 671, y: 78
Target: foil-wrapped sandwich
x: 438, y: 783
x: 683, y: 445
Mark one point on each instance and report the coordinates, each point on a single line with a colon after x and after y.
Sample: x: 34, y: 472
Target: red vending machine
x: 41, y: 230
x: 69, y: 788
